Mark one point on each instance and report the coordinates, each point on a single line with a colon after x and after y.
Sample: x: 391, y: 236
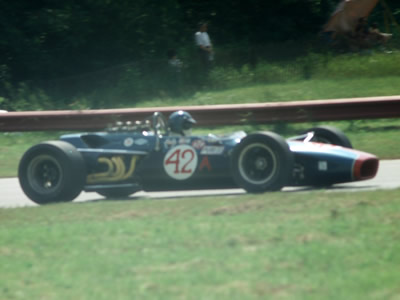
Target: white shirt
x: 202, y: 39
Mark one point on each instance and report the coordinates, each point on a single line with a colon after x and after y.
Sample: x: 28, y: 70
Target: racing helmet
x: 181, y: 122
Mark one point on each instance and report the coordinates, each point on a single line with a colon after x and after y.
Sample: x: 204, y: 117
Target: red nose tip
x: 365, y: 167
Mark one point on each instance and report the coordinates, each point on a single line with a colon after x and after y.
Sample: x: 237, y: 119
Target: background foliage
x: 72, y: 49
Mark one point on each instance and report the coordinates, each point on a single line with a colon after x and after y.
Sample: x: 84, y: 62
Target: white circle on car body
x: 180, y: 162
x: 128, y: 142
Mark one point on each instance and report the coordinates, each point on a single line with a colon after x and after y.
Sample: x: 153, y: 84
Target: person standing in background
x: 204, y: 45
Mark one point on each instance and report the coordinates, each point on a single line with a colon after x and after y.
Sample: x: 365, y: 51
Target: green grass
x: 307, y: 245
x: 13, y: 146
x: 315, y: 89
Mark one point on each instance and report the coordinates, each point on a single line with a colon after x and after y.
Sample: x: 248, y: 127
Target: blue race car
x: 158, y: 154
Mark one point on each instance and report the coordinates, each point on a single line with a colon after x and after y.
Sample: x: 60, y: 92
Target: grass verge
x: 14, y: 145
x: 315, y: 89
x: 307, y: 245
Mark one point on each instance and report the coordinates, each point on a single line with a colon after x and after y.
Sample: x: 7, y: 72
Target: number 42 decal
x: 180, y: 162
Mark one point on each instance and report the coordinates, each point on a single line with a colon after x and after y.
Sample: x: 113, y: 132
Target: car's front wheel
x: 262, y: 162
x: 52, y: 171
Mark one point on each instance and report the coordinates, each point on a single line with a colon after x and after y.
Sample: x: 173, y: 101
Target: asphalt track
x: 388, y: 177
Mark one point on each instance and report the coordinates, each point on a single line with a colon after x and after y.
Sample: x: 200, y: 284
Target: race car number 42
x: 180, y: 162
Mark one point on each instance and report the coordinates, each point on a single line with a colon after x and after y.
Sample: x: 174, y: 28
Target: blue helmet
x: 180, y: 122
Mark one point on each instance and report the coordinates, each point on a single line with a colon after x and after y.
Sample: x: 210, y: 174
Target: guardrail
x: 210, y: 115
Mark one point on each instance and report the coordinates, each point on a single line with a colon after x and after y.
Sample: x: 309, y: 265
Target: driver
x: 181, y: 123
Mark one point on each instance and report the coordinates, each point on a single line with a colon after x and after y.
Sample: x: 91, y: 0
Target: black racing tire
x: 262, y: 162
x: 330, y: 135
x: 52, y: 171
x: 117, y: 193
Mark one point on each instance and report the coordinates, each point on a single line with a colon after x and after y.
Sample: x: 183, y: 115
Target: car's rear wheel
x: 52, y: 171
x: 262, y: 162
x: 330, y: 135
